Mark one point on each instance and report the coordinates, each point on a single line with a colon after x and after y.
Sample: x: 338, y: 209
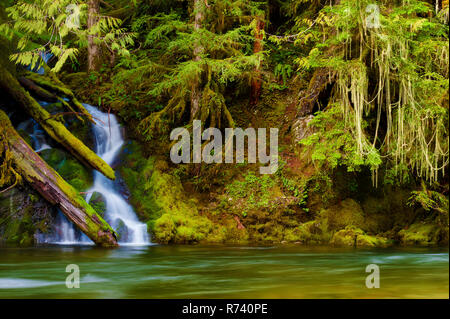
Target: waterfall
x: 36, y: 133
x: 45, y: 56
x: 119, y: 214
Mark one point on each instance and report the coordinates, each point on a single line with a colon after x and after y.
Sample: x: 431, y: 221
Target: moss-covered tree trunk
x: 54, y: 128
x: 53, y: 188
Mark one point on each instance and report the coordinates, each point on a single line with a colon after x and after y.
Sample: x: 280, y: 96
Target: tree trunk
x: 38, y: 91
x: 54, y: 128
x: 320, y: 80
x: 54, y: 188
x: 94, y: 50
x: 257, y: 47
x: 196, y: 93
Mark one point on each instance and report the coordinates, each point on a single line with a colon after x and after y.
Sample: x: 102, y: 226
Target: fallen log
x: 52, y: 83
x: 54, y: 128
x: 70, y: 108
x: 54, y: 188
x: 46, y: 96
x: 37, y: 90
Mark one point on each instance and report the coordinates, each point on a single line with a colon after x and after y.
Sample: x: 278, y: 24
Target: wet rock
x: 98, y: 203
x: 312, y: 232
x: 69, y: 168
x: 23, y: 215
x: 122, y: 231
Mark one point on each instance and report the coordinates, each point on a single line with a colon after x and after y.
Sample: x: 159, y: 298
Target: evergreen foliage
x: 59, y: 27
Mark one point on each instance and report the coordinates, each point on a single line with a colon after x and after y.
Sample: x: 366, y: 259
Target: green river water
x: 223, y: 272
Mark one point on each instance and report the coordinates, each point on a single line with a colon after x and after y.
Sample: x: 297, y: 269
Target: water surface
x: 223, y: 272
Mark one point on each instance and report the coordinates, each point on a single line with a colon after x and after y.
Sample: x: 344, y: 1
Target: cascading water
x: 119, y: 214
x: 64, y: 233
x: 45, y: 56
x: 36, y: 133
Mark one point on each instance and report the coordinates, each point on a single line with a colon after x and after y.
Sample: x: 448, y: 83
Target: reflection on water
x: 223, y: 272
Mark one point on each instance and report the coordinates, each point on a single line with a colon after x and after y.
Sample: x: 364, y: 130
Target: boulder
x: 353, y: 236
x: 346, y: 213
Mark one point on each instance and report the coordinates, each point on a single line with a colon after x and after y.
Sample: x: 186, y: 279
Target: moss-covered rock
x: 388, y: 210
x: 180, y: 220
x: 312, y: 232
x: 353, y: 236
x: 160, y: 200
x: 98, y: 203
x: 421, y: 233
x: 69, y: 168
x: 23, y: 214
x: 346, y: 213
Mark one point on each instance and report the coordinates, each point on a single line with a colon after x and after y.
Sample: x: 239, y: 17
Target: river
x: 165, y: 271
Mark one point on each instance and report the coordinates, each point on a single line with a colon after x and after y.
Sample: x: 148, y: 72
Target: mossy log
x: 54, y: 188
x: 46, y: 96
x: 37, y: 90
x: 52, y: 84
x: 54, y: 128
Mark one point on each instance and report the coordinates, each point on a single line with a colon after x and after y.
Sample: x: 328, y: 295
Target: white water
x: 119, y: 214
x: 36, y: 133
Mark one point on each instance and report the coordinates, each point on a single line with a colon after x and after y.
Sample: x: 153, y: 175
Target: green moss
x: 421, y: 233
x: 69, y: 168
x: 252, y: 191
x: 160, y: 200
x: 98, y: 203
x: 180, y: 221
x: 26, y: 137
x: 313, y: 232
x: 121, y: 230
x: 54, y: 108
x: 22, y: 214
x: 353, y: 236
x: 75, y: 80
x: 387, y: 210
x: 346, y: 213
